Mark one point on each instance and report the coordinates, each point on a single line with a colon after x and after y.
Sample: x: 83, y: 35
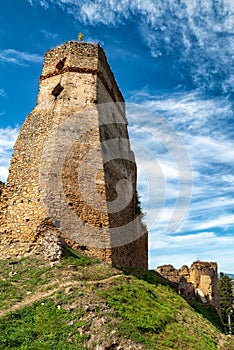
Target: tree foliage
x: 226, y: 297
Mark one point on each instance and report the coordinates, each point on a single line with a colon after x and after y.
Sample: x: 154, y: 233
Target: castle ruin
x: 73, y: 175
x: 200, y: 281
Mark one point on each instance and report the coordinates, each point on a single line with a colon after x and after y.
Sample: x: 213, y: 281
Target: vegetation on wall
x: 138, y: 208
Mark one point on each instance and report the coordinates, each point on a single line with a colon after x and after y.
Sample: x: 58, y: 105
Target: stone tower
x: 73, y: 173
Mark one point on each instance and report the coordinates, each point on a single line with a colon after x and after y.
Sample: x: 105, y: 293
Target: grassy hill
x: 82, y: 303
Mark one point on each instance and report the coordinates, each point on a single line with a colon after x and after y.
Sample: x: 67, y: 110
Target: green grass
x: 44, y: 325
x: 76, y: 258
x: 140, y: 307
x: 32, y: 274
x: 157, y: 317
x: 135, y: 300
x: 209, y: 313
x: 28, y: 276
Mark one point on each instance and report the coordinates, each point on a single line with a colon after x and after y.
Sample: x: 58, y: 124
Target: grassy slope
x: 83, y: 304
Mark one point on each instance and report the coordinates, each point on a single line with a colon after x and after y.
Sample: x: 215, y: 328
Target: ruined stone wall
x: 204, y: 277
x: 198, y: 281
x: 69, y: 157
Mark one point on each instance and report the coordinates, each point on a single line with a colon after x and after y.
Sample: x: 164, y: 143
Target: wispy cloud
x: 18, y: 57
x: 206, y: 246
x: 203, y: 125
x: 191, y: 111
x: 164, y: 164
x: 48, y: 35
x: 194, y: 37
x: 42, y: 3
x: 7, y: 139
x: 2, y: 93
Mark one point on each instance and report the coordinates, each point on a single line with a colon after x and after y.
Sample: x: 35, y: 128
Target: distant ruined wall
x: 68, y: 189
x: 200, y: 281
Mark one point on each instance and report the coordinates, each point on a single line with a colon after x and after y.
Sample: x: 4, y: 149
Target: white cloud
x: 188, y: 240
x: 203, y: 126
x: 3, y: 173
x: 210, y: 148
x: 165, y: 167
x: 18, y: 57
x: 217, y: 202
x: 224, y: 257
x: 7, y: 140
x: 42, y: 3
x: 218, y: 219
x: 187, y: 110
x: 180, y: 250
x: 197, y: 34
x: 2, y: 93
x: 48, y: 35
x: 229, y: 178
x: 221, y: 221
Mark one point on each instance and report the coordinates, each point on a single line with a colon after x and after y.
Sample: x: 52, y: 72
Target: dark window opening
x: 57, y: 90
x: 61, y: 63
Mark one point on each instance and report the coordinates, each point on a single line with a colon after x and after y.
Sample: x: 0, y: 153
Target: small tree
x: 138, y: 209
x: 226, y: 299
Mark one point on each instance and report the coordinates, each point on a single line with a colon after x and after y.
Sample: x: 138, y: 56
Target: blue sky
x: 175, y: 60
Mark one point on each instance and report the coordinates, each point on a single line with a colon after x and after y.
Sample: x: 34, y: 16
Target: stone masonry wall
x: 200, y: 281
x: 72, y: 153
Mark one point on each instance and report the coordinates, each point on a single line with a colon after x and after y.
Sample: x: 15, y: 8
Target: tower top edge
x: 80, y: 57
x: 84, y: 47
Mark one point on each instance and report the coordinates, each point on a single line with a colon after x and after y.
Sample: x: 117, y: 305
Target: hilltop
x: 82, y: 303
